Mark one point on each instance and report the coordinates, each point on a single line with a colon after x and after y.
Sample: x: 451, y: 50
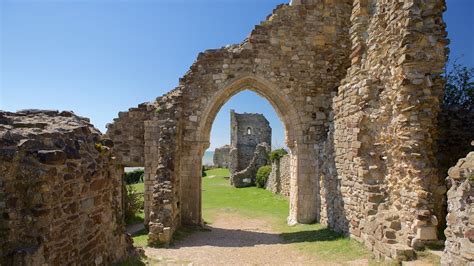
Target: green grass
x: 139, y: 187
x: 252, y: 202
x: 218, y: 172
x: 219, y: 197
x: 140, y: 238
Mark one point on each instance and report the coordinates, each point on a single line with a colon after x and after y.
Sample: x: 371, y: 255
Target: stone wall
x: 128, y: 131
x: 385, y: 126
x: 247, y: 131
x: 279, y: 180
x: 459, y: 245
x: 60, y: 192
x: 246, y: 177
x: 222, y: 157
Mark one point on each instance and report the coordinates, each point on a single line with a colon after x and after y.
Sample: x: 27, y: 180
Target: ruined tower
x: 247, y: 131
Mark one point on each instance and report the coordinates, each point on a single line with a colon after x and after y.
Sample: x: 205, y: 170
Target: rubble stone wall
x: 128, y: 131
x: 246, y: 177
x: 459, y: 245
x: 279, y: 180
x: 60, y: 192
x: 385, y: 126
x: 222, y: 157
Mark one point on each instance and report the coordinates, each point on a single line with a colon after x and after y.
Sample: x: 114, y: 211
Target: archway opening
x: 304, y: 187
x: 245, y: 121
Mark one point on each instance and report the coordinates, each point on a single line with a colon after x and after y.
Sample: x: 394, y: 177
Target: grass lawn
x: 218, y: 172
x: 252, y: 202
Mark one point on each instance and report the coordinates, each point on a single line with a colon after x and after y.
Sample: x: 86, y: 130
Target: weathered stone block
x: 52, y: 156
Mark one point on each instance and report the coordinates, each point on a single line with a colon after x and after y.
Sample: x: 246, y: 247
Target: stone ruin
x: 247, y: 176
x: 247, y: 131
x: 358, y: 86
x: 459, y: 233
x: 60, y: 192
x: 222, y: 157
x: 243, y: 157
x: 279, y: 180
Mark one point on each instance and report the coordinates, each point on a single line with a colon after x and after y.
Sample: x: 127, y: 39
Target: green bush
x: 133, y: 203
x: 262, y: 175
x: 277, y: 154
x: 134, y: 176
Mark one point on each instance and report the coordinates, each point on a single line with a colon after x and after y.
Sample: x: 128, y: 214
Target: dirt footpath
x: 231, y: 240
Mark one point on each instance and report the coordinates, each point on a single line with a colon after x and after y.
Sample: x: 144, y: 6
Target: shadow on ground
x: 219, y: 237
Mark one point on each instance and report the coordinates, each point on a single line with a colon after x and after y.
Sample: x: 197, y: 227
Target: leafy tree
x: 133, y: 203
x: 459, y: 89
x: 277, y: 154
x: 133, y: 177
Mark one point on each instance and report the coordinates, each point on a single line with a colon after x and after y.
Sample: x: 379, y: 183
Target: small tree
x: 459, y: 89
x: 133, y: 203
x: 262, y: 175
x: 277, y: 154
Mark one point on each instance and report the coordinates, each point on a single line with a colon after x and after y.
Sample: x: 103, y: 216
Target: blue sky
x: 99, y: 57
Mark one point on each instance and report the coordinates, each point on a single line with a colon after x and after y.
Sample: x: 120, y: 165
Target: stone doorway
x: 304, y: 198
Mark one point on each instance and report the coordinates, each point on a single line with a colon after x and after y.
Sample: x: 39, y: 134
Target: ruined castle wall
x: 295, y: 59
x: 128, y: 133
x: 385, y: 126
x: 247, y: 176
x: 459, y: 245
x: 222, y: 157
x: 357, y: 85
x: 247, y: 131
x: 279, y: 180
x: 60, y: 192
x: 162, y: 152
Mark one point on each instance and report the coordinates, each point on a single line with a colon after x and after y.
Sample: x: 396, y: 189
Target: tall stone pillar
x: 304, y: 185
x: 151, y: 150
x: 191, y: 178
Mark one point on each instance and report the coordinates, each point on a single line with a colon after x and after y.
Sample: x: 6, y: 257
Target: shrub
x: 134, y: 176
x: 262, y: 175
x: 277, y: 154
x: 133, y: 203
x: 459, y: 88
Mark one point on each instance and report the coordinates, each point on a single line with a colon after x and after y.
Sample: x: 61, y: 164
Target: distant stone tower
x: 247, y: 131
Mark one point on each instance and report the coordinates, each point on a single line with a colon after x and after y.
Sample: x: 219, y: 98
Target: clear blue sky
x: 99, y: 57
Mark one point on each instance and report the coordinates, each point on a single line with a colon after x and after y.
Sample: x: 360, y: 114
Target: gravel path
x: 230, y: 240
